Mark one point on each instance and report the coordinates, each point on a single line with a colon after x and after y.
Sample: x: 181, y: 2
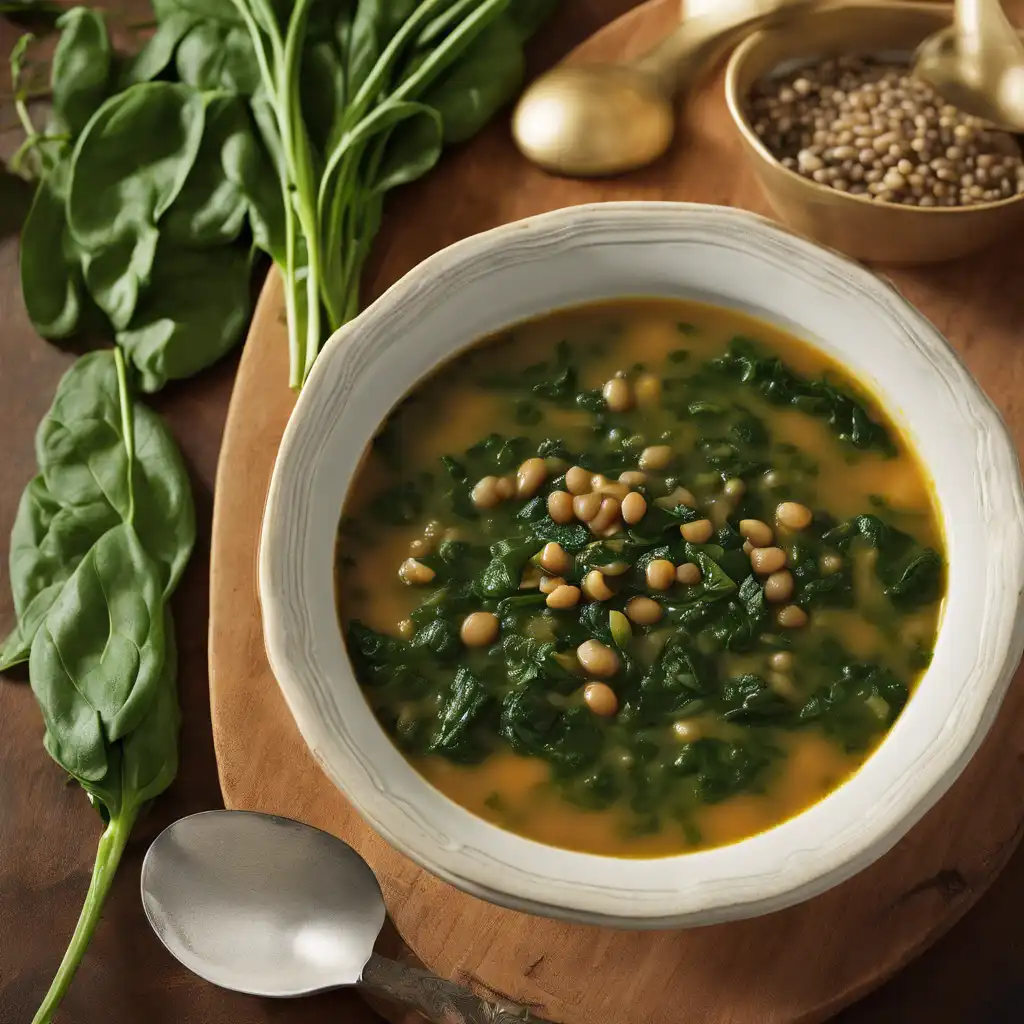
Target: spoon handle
x: 691, y: 47
x: 439, y: 1000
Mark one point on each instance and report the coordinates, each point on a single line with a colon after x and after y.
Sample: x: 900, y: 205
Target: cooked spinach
x: 710, y: 657
x: 911, y: 574
x: 845, y: 414
x: 101, y: 538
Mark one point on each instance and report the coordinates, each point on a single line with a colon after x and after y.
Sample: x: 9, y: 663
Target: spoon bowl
x: 261, y: 904
x: 987, y: 84
x: 594, y: 120
x: 271, y: 907
x: 604, y: 119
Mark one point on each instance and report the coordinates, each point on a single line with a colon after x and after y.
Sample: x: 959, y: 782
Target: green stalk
x: 108, y: 856
x: 296, y: 146
x: 127, y: 428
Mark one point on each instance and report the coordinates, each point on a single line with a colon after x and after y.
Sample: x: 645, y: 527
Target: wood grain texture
x: 797, y: 965
x: 48, y: 831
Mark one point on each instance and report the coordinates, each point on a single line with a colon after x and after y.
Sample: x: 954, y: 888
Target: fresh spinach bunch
x: 244, y: 125
x: 140, y: 224
x: 100, y: 541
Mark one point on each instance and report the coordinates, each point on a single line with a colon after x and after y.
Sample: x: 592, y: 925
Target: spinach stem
x: 108, y: 856
x: 127, y: 429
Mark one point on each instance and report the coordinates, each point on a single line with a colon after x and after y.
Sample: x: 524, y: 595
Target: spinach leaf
x: 845, y: 414
x: 504, y: 571
x: 911, y: 574
x: 128, y: 167
x: 463, y: 707
x: 483, y: 81
x: 214, y: 56
x: 721, y: 768
x: 92, y: 605
x: 51, y: 269
x: 859, y: 706
x: 440, y: 638
x: 679, y: 683
x: 92, y: 480
x: 193, y: 314
x: 99, y: 654
x: 82, y: 69
x: 375, y: 654
x: 529, y: 661
x: 47, y: 543
x: 531, y: 724
x: 749, y: 699
x: 211, y: 207
x: 409, y: 148
x: 154, y: 58
x: 85, y: 459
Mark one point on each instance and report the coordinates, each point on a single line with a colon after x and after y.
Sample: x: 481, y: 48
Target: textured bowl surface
x: 648, y: 249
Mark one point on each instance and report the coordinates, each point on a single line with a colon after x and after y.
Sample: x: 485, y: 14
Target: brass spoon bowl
x: 856, y: 225
x: 978, y: 65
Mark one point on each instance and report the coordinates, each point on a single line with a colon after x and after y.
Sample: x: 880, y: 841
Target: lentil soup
x: 639, y: 578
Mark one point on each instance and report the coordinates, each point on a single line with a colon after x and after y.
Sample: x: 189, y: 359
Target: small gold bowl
x: 857, y: 225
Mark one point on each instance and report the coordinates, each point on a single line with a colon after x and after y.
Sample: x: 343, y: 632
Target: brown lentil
x: 688, y: 574
x: 759, y: 534
x: 555, y: 559
x: 661, y: 574
x: 643, y: 611
x: 549, y: 584
x: 560, y: 507
x: 595, y: 587
x: 779, y: 586
x: 577, y: 480
x: 617, y: 395
x: 414, y: 573
x: 530, y: 475
x: 791, y: 617
x: 854, y: 119
x: 634, y: 507
x: 597, y: 660
x: 586, y: 506
x: 565, y: 596
x: 699, y: 532
x: 765, y: 561
x: 479, y: 629
x: 600, y: 697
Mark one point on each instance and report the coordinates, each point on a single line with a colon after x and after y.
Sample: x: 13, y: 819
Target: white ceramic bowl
x: 653, y: 249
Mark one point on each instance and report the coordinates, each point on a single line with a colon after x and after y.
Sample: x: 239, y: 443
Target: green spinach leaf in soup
x: 716, y: 678
x: 912, y: 575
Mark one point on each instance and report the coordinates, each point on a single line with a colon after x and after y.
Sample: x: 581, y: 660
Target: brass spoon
x: 601, y: 119
x: 977, y: 64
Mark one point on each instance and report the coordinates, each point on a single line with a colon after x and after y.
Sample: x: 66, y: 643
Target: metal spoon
x: 978, y: 63
x: 271, y: 907
x: 601, y: 119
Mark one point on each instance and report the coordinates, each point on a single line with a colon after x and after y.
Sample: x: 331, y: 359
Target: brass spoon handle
x: 981, y: 24
x: 678, y: 60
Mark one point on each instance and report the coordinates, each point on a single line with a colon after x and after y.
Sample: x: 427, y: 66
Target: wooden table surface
x: 48, y: 831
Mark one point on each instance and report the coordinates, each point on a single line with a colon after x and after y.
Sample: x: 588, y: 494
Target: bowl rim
x: 735, y: 103
x: 293, y: 645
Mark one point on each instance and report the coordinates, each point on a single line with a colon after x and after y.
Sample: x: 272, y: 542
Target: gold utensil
x: 592, y: 120
x: 856, y: 225
x: 978, y: 64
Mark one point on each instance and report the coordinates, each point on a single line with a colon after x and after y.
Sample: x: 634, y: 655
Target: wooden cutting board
x: 801, y: 964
